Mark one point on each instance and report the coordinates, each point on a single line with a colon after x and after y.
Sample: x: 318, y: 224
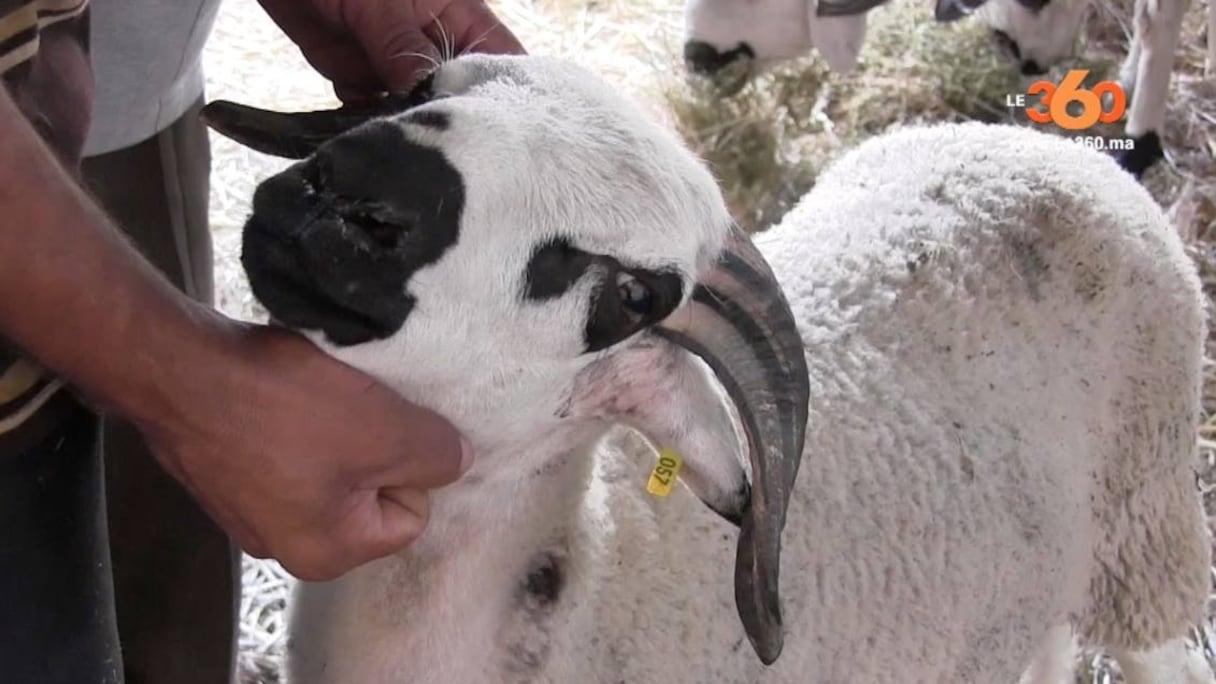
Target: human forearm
x: 76, y: 296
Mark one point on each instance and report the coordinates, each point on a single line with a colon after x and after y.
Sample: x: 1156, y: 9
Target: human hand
x: 367, y: 47
x: 301, y: 458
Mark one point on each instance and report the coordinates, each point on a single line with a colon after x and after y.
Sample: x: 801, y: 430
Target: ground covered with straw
x: 766, y: 144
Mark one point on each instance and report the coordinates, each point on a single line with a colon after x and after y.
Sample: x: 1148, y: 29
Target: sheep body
x: 1004, y: 340
x: 1015, y: 342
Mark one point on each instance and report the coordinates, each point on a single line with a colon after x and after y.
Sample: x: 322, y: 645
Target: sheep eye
x: 641, y: 298
x: 634, y: 294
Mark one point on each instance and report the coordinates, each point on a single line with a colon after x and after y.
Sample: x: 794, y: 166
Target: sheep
x: 733, y: 40
x: 1042, y: 33
x: 964, y: 368
x: 738, y: 39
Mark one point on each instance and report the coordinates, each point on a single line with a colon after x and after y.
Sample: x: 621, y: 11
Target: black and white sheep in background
x: 743, y: 37
x: 1041, y: 33
x: 733, y: 40
x: 962, y: 376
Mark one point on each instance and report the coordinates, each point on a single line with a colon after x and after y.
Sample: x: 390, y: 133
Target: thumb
x: 426, y: 450
x: 392, y: 38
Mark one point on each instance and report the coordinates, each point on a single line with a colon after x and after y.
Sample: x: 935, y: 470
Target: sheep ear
x: 952, y: 10
x: 294, y: 135
x: 678, y: 407
x: 669, y: 396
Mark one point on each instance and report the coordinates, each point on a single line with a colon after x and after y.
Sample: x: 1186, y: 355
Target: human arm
x: 297, y: 456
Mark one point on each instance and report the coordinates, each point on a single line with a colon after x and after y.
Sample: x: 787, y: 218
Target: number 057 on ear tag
x: 663, y: 477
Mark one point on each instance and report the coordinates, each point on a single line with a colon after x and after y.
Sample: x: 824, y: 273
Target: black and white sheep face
x: 518, y: 248
x: 516, y: 210
x: 731, y: 39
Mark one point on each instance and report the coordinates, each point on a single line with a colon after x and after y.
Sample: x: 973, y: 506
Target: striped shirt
x: 57, y: 114
x: 21, y: 22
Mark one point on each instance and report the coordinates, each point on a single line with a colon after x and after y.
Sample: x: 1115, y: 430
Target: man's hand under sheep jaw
x: 296, y: 455
x: 302, y: 459
x: 368, y: 46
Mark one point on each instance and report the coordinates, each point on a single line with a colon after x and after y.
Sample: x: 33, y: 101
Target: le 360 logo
x: 1054, y: 101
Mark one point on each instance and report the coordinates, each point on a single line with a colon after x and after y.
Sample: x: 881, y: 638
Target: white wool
x: 1004, y: 340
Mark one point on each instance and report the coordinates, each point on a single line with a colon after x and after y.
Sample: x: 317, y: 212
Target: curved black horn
x: 739, y: 322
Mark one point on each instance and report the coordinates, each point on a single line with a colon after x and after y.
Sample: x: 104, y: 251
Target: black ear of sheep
x: 295, y: 135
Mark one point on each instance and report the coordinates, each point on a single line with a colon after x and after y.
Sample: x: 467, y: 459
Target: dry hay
x: 766, y: 145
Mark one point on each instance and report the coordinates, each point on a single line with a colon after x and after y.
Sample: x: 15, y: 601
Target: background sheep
x: 1041, y: 34
x: 1037, y: 34
x: 1030, y: 340
x: 744, y: 38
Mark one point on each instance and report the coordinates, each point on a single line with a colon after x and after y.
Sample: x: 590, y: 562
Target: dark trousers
x: 56, y: 598
x: 176, y: 574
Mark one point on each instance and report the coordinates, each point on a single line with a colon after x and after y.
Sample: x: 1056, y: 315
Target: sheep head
x: 731, y: 41
x: 521, y: 250
x: 1037, y: 34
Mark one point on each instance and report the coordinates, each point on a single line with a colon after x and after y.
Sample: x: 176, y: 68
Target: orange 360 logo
x: 1054, y: 101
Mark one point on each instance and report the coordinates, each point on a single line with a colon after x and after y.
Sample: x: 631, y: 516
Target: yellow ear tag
x: 663, y: 477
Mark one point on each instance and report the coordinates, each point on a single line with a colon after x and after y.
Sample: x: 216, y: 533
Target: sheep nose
x: 1032, y: 68
x: 702, y: 58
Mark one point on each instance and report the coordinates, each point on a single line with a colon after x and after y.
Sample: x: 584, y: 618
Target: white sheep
x: 1043, y: 33
x: 998, y: 342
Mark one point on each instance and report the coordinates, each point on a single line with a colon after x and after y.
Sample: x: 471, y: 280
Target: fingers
x: 402, y: 516
x: 336, y: 56
x: 401, y: 56
x: 379, y: 523
x: 401, y: 52
x: 433, y: 453
x: 368, y: 47
x: 473, y: 27
x: 392, y: 38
